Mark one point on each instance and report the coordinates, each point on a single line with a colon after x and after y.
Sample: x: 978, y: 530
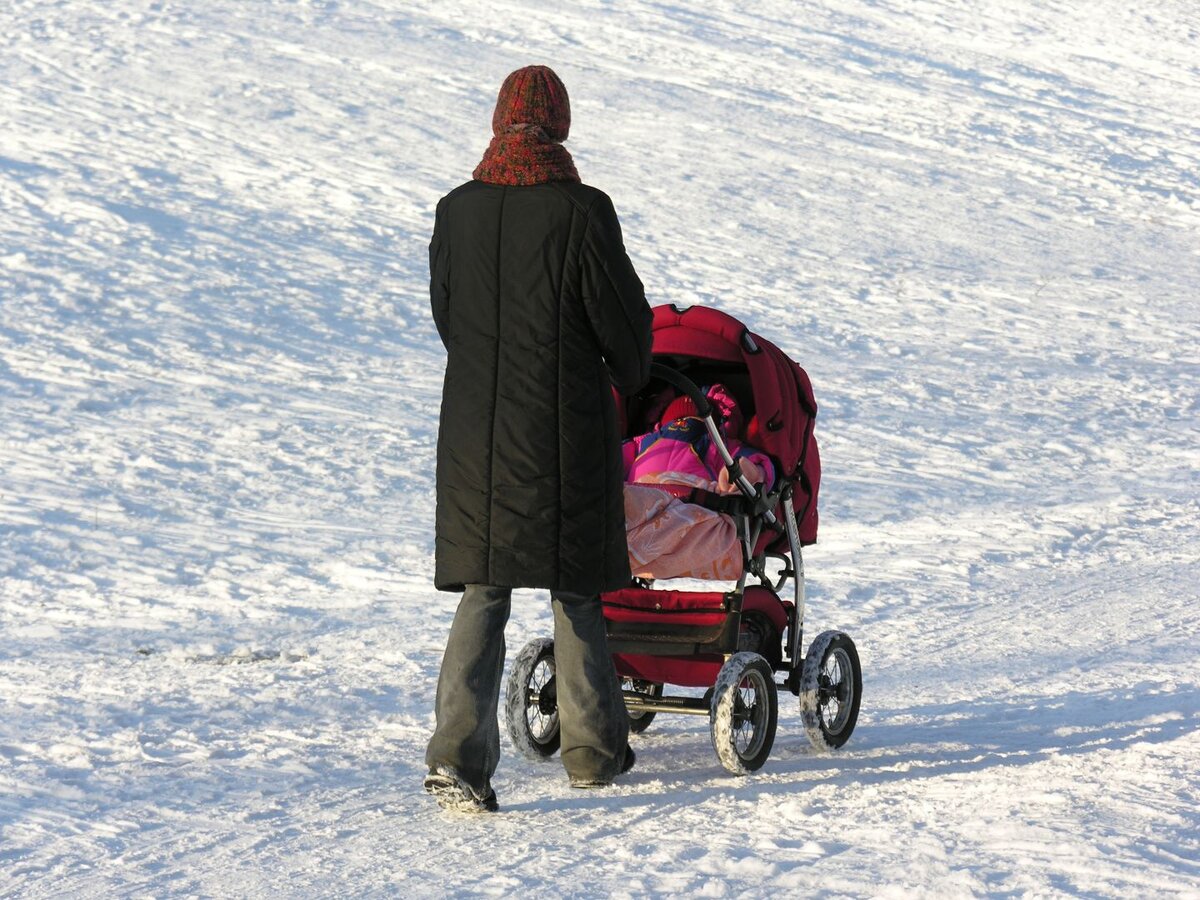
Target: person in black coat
x: 541, y: 313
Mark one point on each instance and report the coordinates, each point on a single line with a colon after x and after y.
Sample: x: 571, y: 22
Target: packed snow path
x: 978, y: 229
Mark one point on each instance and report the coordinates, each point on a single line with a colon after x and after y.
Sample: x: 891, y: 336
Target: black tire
x: 744, y: 713
x: 830, y: 690
x: 533, y: 726
x: 640, y: 721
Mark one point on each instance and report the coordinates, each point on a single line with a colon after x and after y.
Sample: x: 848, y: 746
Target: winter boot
x: 452, y: 793
x: 588, y: 783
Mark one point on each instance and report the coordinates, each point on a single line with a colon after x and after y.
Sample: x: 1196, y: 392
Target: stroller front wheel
x: 531, y: 701
x: 830, y: 690
x: 744, y: 713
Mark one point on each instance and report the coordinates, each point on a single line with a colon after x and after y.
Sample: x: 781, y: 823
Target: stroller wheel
x: 744, y: 712
x: 531, y: 701
x: 830, y: 690
x: 640, y: 721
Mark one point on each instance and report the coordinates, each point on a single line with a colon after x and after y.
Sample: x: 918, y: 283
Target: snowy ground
x: 977, y: 226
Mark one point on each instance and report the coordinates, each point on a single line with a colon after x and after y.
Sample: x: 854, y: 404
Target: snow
x: 976, y: 225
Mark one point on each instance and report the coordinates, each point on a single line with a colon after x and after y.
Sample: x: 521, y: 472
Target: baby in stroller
x: 667, y: 537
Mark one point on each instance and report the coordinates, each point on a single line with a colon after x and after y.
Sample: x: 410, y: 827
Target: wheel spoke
x: 748, y: 716
x: 743, y: 713
x: 831, y: 682
x: 542, y: 716
x: 834, y: 692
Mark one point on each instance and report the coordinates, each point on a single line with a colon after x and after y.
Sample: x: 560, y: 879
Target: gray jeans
x: 593, y: 723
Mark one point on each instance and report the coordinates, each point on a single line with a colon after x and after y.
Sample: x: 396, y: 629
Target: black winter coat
x: 540, y: 312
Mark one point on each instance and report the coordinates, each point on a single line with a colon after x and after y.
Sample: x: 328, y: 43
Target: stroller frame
x: 750, y: 527
x: 660, y: 637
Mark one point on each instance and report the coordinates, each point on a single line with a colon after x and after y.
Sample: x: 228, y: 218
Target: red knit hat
x: 533, y: 95
x: 531, y: 120
x: 681, y: 407
x: 724, y: 405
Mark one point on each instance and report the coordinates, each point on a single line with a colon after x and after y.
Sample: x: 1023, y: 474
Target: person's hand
x: 752, y: 471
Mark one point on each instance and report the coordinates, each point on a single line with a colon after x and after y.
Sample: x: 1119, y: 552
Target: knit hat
x: 724, y: 406
x: 533, y: 95
x: 531, y: 120
x: 681, y: 407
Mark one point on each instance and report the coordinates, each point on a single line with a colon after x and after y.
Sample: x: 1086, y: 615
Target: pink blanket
x: 672, y: 539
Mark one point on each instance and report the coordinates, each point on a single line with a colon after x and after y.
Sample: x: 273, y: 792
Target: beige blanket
x: 672, y: 539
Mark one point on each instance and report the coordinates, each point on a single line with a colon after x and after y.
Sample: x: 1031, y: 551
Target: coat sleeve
x: 615, y: 300
x: 439, y: 279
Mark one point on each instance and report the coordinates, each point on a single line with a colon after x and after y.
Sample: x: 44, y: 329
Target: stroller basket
x: 684, y: 637
x: 638, y: 617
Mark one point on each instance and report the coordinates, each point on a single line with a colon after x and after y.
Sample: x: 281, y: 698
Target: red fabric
x: 681, y: 607
x: 664, y: 607
x: 531, y: 120
x: 637, y: 604
x: 679, y: 408
x: 685, y: 671
x: 784, y: 406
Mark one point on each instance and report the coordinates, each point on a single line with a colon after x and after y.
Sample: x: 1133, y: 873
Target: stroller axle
x: 637, y: 703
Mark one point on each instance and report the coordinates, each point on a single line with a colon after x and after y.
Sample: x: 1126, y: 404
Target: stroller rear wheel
x: 830, y: 690
x: 640, y: 721
x: 744, y: 713
x: 531, y: 701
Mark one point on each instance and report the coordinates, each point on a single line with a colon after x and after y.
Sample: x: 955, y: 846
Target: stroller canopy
x: 784, y: 409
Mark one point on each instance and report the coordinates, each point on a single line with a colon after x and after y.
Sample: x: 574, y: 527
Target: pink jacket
x: 680, y: 451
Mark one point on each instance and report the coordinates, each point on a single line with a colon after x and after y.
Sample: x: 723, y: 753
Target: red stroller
x: 736, y: 642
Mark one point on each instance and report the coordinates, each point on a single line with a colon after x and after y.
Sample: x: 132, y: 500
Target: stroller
x: 742, y: 644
